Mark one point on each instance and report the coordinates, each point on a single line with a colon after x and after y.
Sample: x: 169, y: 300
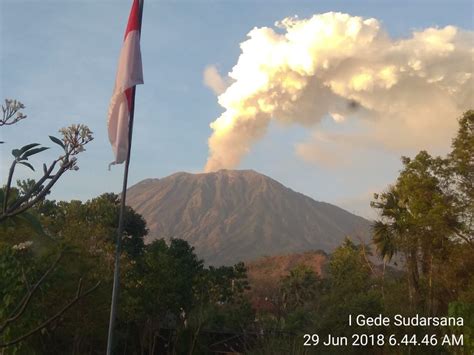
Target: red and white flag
x: 129, y: 74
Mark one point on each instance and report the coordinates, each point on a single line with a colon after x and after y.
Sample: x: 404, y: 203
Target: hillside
x: 265, y: 274
x: 240, y: 215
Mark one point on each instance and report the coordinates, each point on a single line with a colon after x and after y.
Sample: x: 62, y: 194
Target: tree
x: 459, y: 176
x: 219, y: 304
x: 74, y: 138
x: 15, y: 212
x: 159, y: 290
x: 94, y: 224
x: 427, y: 214
x: 350, y: 289
x: 300, y: 297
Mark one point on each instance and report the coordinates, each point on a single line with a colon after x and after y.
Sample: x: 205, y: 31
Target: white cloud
x: 407, y: 92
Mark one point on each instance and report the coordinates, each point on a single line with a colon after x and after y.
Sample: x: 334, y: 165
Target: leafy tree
x: 220, y: 304
x: 72, y: 143
x: 15, y: 212
x: 94, y: 223
x: 459, y: 176
x: 351, y: 289
x: 218, y: 291
x: 300, y: 293
x: 84, y: 232
x: 30, y: 285
x: 417, y: 220
x: 300, y: 286
x: 426, y: 217
x: 159, y: 289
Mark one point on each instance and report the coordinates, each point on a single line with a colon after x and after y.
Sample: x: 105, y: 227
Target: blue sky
x: 59, y: 58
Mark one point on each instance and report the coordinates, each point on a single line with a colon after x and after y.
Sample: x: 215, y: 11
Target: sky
x: 59, y: 58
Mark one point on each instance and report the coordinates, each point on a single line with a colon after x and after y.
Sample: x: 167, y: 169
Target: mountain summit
x: 240, y: 215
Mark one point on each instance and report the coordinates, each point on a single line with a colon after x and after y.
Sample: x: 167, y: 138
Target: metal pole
x: 116, y: 284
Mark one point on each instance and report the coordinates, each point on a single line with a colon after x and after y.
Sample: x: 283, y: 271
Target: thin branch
x: 20, y: 309
x: 79, y: 288
x: 25, y: 279
x: 8, y: 187
x: 37, y: 186
x: 365, y: 254
x: 466, y: 239
x: 11, y: 108
x: 16, y: 208
x: 78, y: 297
x: 37, y: 198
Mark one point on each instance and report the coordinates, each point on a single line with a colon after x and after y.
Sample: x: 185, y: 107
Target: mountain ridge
x: 240, y: 215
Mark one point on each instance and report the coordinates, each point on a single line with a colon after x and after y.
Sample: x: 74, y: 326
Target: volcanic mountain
x: 240, y: 215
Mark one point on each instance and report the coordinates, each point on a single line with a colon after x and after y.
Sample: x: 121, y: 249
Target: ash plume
x: 406, y: 92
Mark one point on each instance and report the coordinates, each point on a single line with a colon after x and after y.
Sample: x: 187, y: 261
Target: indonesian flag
x: 129, y: 74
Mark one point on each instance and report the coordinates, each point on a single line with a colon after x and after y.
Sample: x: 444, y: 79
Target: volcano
x: 240, y: 215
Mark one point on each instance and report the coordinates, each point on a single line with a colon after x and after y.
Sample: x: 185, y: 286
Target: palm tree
x: 392, y: 234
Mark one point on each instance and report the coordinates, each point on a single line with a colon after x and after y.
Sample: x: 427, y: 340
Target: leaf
x: 57, y: 141
x: 28, y: 147
x: 16, y: 153
x: 27, y: 164
x: 34, y: 151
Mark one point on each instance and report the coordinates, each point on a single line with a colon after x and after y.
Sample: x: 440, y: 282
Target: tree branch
x: 364, y: 252
x: 17, y: 208
x: 26, y: 197
x: 20, y: 309
x: 466, y: 239
x: 38, y: 197
x: 77, y: 298
x: 8, y: 186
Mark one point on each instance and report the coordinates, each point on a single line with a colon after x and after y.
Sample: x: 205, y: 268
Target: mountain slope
x: 265, y: 274
x: 234, y: 215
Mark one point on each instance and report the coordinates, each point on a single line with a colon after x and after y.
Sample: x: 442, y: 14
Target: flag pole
x: 118, y: 247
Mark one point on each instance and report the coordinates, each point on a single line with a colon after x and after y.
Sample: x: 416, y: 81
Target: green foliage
x: 21, y: 267
x: 466, y: 311
x: 163, y: 279
x: 348, y: 268
x: 98, y: 220
x: 12, y: 289
x: 299, y: 287
x: 57, y: 141
x: 426, y: 217
x: 459, y: 175
x: 86, y: 231
x: 219, y: 294
x: 351, y: 289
